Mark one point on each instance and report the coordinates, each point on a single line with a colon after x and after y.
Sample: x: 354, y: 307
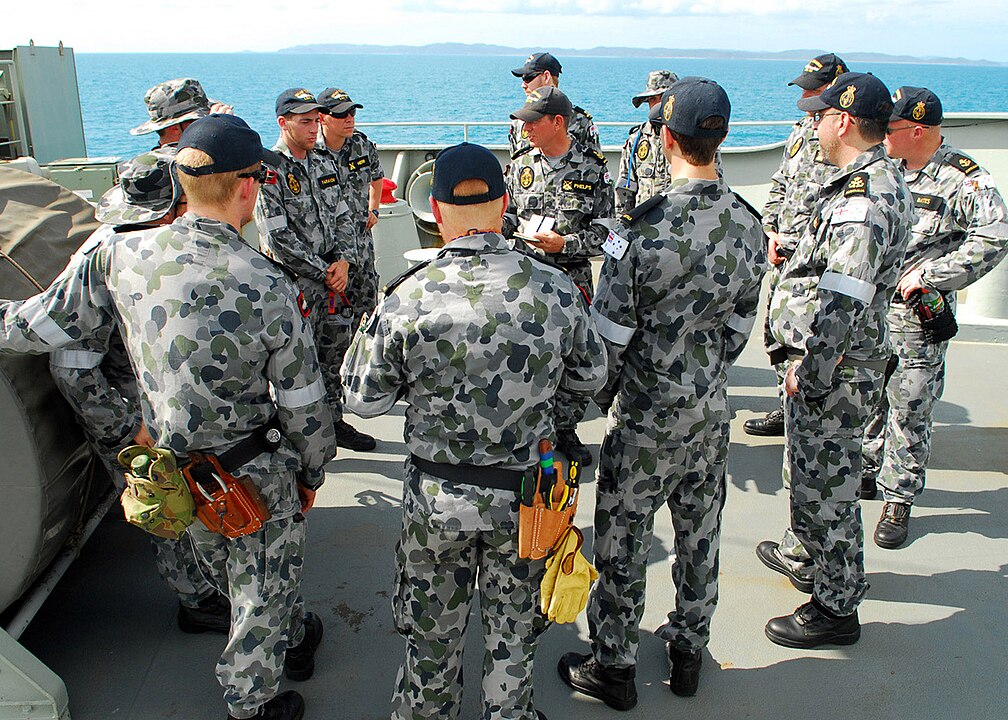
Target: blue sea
x: 480, y: 88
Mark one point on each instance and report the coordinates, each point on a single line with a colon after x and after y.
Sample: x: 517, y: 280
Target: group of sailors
x: 167, y: 329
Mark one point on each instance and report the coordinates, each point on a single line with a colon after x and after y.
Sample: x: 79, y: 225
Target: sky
x: 947, y: 28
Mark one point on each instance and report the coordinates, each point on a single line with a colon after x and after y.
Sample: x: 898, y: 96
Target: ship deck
x: 931, y: 619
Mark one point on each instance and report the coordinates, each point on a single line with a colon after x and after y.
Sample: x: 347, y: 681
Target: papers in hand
x: 535, y: 224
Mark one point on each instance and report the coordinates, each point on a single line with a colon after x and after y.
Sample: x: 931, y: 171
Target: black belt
x: 573, y: 263
x: 265, y: 438
x: 782, y: 355
x: 487, y: 476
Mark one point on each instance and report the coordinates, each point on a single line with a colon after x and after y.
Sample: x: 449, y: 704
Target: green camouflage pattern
x: 173, y: 102
x: 960, y: 235
x: 580, y: 127
x: 157, y: 497
x: 147, y: 191
x: 477, y: 343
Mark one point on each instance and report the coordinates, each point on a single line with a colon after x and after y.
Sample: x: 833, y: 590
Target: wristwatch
x: 375, y: 213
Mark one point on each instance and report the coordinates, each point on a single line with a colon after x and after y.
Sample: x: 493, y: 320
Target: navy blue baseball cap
x: 229, y: 141
x: 466, y: 161
x: 688, y: 103
x: 820, y: 70
x: 297, y: 101
x: 862, y: 95
x: 916, y: 104
x: 538, y: 63
x: 542, y: 102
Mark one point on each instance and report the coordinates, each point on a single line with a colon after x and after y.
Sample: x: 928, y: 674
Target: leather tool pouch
x: 540, y: 527
x: 226, y: 504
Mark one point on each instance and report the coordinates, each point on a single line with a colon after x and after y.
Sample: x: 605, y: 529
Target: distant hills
x: 627, y: 52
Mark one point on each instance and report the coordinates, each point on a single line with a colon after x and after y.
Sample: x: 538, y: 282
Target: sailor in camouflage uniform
x: 97, y: 379
x: 794, y: 193
x: 827, y: 315
x: 450, y: 337
x: 213, y: 327
x: 960, y: 235
x: 569, y: 184
x: 361, y: 177
x: 676, y: 302
x: 173, y: 106
x: 643, y: 170
x: 543, y: 70
x: 305, y: 223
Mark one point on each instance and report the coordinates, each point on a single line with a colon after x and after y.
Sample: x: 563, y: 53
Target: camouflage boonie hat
x: 148, y: 189
x: 172, y: 102
x: 658, y: 81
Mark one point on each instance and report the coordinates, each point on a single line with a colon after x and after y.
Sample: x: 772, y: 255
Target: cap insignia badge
x: 669, y: 108
x: 847, y: 97
x: 813, y: 66
x: 304, y: 95
x: 918, y: 111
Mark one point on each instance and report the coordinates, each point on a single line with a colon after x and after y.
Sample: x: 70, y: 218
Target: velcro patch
x: 357, y: 164
x: 328, y: 180
x: 579, y: 186
x: 615, y: 246
x: 857, y: 185
x: 851, y: 211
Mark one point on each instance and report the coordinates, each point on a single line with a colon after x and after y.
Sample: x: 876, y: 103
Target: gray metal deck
x: 933, y: 642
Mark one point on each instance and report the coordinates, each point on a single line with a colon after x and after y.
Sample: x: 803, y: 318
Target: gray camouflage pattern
x: 477, y: 343
x: 173, y: 102
x: 148, y: 189
x: 580, y: 127
x: 305, y: 224
x: 960, y: 235
x: 830, y: 304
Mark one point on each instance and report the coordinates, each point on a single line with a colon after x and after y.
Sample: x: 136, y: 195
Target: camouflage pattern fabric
x: 305, y: 224
x: 830, y: 304
x: 148, y: 189
x: 960, y: 235
x: 212, y: 327
x: 574, y: 189
x: 580, y: 127
x: 477, y: 343
x: 675, y: 306
x: 173, y: 102
x: 261, y: 576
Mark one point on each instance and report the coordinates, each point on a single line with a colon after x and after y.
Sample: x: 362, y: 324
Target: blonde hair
x: 479, y: 215
x: 216, y: 189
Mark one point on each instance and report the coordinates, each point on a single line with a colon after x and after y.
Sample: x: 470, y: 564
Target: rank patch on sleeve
x: 857, y: 186
x: 963, y: 164
x: 615, y: 246
x: 328, y: 180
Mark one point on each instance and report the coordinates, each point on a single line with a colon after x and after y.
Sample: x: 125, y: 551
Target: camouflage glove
x: 564, y: 589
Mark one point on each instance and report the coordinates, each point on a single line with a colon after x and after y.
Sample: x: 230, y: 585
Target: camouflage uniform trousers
x: 261, y: 574
x: 569, y: 408
x: 333, y: 333
x: 898, y: 439
x: 633, y: 484
x: 439, y: 568
x: 823, y: 461
x: 176, y: 560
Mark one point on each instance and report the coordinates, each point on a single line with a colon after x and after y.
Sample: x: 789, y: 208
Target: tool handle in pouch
x: 539, y: 526
x: 231, y: 506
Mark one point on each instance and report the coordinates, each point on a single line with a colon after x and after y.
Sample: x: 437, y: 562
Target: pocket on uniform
x: 570, y: 202
x: 402, y: 616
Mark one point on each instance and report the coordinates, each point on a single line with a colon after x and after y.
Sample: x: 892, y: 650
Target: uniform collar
x: 208, y: 225
x: 870, y: 156
x: 695, y: 186
x: 489, y: 241
x: 933, y: 165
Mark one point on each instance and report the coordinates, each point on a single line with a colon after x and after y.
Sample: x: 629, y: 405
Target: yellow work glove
x: 568, y: 578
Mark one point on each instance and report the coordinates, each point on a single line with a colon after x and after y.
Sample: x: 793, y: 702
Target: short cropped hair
x: 216, y: 189
x: 872, y: 131
x: 700, y: 151
x: 479, y: 215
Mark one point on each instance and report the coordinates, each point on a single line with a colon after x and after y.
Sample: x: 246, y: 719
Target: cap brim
x: 526, y: 115
x: 806, y: 81
x: 638, y: 99
x: 114, y: 210
x: 518, y: 72
x: 654, y: 114
x: 341, y: 107
x: 271, y: 158
x: 155, y: 125
x: 812, y: 104
x: 303, y: 108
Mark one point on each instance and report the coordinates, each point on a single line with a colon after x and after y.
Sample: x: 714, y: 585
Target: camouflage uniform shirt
x: 831, y: 299
x: 693, y: 262
x: 581, y: 127
x: 643, y: 170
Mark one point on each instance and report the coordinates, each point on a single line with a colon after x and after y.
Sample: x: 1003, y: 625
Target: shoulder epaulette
x: 635, y: 128
x: 963, y: 164
x: 518, y: 153
x: 748, y: 206
x: 631, y: 217
x: 599, y: 155
x: 395, y: 282
x: 582, y: 111
x: 857, y: 185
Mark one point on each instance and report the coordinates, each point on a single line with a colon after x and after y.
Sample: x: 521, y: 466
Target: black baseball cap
x: 916, y: 104
x: 690, y: 101
x: 861, y: 94
x: 537, y: 63
x: 297, y: 101
x: 542, y: 102
x: 820, y: 70
x: 336, y: 101
x: 228, y: 140
x: 466, y: 161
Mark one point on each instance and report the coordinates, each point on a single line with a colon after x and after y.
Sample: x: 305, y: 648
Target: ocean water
x: 456, y: 88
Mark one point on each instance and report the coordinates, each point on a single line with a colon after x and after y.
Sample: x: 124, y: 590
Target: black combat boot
x: 770, y: 425
x: 570, y: 445
x: 299, y: 664
x: 869, y: 483
x: 212, y: 614
x: 352, y: 439
x: 801, y: 574
x: 684, y: 673
x: 811, y: 626
x: 613, y: 686
x: 891, y: 531
x: 285, y: 706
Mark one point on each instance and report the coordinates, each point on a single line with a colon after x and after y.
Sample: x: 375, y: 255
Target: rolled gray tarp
x: 45, y: 463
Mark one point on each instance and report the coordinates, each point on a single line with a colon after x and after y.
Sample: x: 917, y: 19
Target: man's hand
x: 336, y: 276
x: 773, y: 242
x: 791, y: 380
x: 143, y: 437
x: 222, y: 108
x: 371, y: 220
x: 548, y: 241
x: 910, y: 283
x: 307, y: 498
